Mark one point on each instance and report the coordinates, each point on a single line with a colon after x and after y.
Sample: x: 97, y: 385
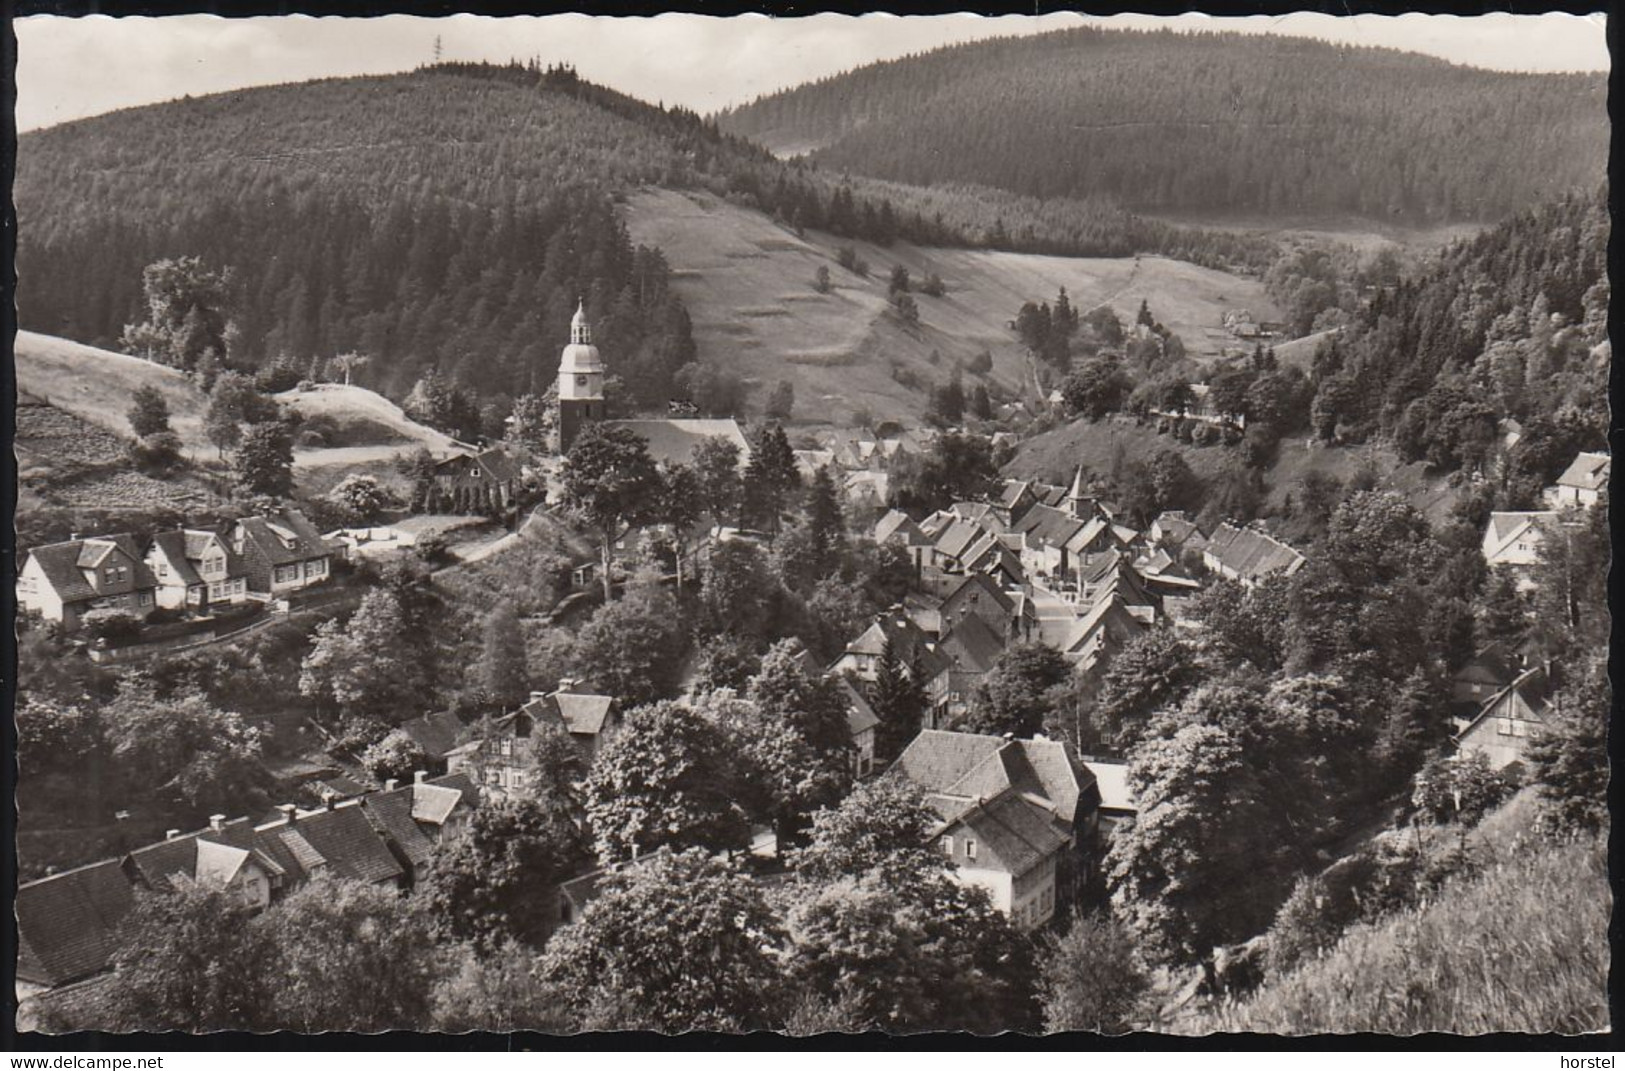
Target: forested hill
x: 1221, y: 123
x: 447, y: 219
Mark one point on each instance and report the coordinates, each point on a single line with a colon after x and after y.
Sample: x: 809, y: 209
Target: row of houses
x: 1513, y: 539
x: 194, y: 570
x: 68, y: 923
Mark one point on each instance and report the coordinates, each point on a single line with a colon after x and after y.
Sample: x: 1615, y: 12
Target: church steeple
x: 581, y: 381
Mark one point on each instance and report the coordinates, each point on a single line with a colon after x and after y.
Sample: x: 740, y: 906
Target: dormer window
x: 115, y: 574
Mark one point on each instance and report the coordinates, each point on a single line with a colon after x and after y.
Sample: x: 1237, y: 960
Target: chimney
x: 171, y: 834
x: 567, y: 683
x: 419, y: 776
x: 535, y: 696
x: 290, y: 812
x: 391, y: 784
x: 75, y: 536
x: 329, y: 800
x: 217, y: 822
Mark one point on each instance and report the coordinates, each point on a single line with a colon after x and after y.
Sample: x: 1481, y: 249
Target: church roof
x: 673, y: 441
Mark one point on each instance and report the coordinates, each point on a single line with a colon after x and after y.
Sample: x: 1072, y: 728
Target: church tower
x: 581, y: 382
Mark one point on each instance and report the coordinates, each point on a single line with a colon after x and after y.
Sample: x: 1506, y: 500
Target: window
x: 163, y: 568
x: 286, y: 574
x: 970, y: 848
x: 316, y: 568
x: 947, y: 845
x: 507, y: 748
x: 144, y: 599
x: 114, y: 574
x: 1503, y: 726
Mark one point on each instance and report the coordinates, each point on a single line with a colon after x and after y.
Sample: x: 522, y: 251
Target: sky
x: 71, y: 68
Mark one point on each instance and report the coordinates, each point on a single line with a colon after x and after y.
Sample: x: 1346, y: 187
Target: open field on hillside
x: 95, y: 385
x: 748, y: 285
x: 1366, y: 235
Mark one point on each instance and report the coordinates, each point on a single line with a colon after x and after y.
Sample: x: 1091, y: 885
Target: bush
x: 932, y: 287
x: 157, y: 453
x: 112, y: 627
x: 980, y: 365
x: 1205, y: 435
x: 276, y: 378
x: 1459, y: 789
x: 311, y: 439
x: 432, y: 549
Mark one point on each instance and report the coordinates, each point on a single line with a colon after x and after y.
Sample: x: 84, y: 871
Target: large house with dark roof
x: 67, y: 925
x: 282, y: 552
x: 196, y: 569
x: 1248, y: 555
x: 64, y: 581
x: 500, y: 758
x: 1016, y: 817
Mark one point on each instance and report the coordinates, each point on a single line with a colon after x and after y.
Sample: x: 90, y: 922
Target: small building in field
x: 1509, y: 721
x: 1512, y: 539
x: 1582, y: 483
x: 196, y: 569
x: 62, y: 582
x: 283, y: 552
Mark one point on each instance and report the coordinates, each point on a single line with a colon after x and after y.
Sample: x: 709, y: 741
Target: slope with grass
x: 95, y: 385
x: 1522, y: 945
x: 748, y: 285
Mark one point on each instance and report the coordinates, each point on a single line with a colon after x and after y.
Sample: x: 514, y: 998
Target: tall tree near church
x: 899, y: 701
x: 770, y: 478
x: 612, y: 484
x: 826, y: 533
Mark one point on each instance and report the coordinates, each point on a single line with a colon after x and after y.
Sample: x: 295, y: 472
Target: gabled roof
x: 342, y: 838
x: 898, y: 523
x: 67, y: 923
x: 391, y: 814
x: 1533, y: 687
x: 1587, y: 472
x: 1012, y: 493
x: 434, y: 734
x: 981, y: 585
x: 978, y: 766
x: 1046, y: 526
x: 1494, y: 660
x: 173, y: 545
x: 1112, y: 780
x: 971, y: 646
x: 1109, y: 617
x: 433, y: 803
x: 958, y: 537
x: 493, y: 464
x: 860, y: 716
x: 673, y: 441
x: 284, y: 537
x: 1015, y: 831
x: 1252, y: 554
x: 584, y: 714
x: 62, y: 564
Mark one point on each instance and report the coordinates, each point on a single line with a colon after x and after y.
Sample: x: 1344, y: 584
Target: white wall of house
x: 35, y: 593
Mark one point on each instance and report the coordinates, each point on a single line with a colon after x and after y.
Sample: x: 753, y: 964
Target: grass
x: 730, y: 265
x: 1520, y: 947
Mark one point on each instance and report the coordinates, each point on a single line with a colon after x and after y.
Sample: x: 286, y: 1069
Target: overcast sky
x: 72, y: 68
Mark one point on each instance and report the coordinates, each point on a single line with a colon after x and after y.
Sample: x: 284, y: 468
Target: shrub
x: 157, y: 453
x: 1204, y: 435
x: 981, y: 364
x: 311, y: 439
x: 432, y: 549
x: 112, y: 627
x: 276, y: 378
x: 932, y: 287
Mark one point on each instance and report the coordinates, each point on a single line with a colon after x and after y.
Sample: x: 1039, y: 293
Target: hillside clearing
x: 748, y: 285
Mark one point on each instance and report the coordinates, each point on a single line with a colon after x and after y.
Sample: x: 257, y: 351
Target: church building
x: 581, y: 402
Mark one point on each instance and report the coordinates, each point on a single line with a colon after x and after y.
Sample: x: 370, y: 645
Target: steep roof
x: 285, y: 537
x: 174, y: 544
x: 860, y: 716
x: 583, y: 714
x: 62, y: 564
x: 341, y: 837
x: 1251, y: 553
x: 673, y: 441
x: 391, y: 814
x: 1046, y: 526
x: 435, y: 734
x: 895, y: 523
x: 958, y: 537
x: 977, y: 766
x: 970, y: 646
x: 983, y: 586
x: 1112, y: 779
x: 494, y: 464
x: 1587, y: 472
x: 1011, y: 494
x: 1532, y: 686
x: 434, y: 803
x: 67, y: 923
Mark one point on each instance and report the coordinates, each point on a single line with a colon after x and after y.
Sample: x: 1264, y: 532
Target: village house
x: 1175, y: 533
x: 196, y: 569
x: 62, y: 582
x: 67, y: 927
x: 501, y: 757
x: 1509, y: 720
x: 980, y: 595
x: 861, y: 719
x: 1105, y: 629
x: 488, y: 482
x: 1582, y: 483
x: 1248, y: 555
x: 1017, y: 818
x: 964, y: 655
x: 282, y: 552
x: 1512, y: 540
x: 436, y: 736
x: 335, y: 838
x: 417, y: 818
x: 908, y: 642
x: 1486, y: 673
x: 223, y: 856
